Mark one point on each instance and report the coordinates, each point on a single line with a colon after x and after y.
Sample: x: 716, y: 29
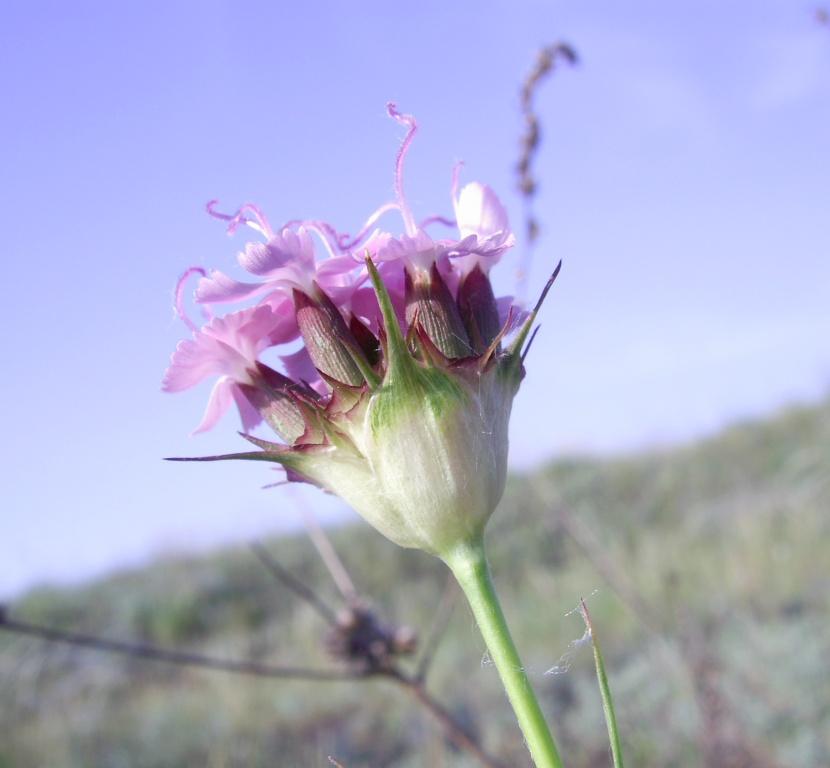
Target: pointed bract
x: 478, y: 308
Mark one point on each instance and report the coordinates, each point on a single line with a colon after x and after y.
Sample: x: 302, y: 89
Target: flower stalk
x: 468, y: 563
x: 398, y: 400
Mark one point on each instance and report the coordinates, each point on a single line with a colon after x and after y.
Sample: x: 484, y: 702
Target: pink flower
x: 481, y: 219
x: 285, y: 261
x: 439, y: 285
x: 483, y: 227
x: 479, y: 212
x: 227, y: 347
x: 416, y: 252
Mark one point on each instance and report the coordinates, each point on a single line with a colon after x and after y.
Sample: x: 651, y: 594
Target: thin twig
x: 545, y: 63
x: 604, y: 689
x: 413, y: 683
x: 293, y: 583
x: 617, y: 580
x: 454, y: 730
x: 149, y: 652
x: 613, y: 575
x: 182, y: 658
x: 436, y: 631
x: 722, y: 736
x: 328, y: 555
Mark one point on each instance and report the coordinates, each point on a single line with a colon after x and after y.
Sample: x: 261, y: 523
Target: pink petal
x: 392, y: 274
x: 221, y: 397
x: 337, y: 267
x: 229, y: 346
x: 219, y: 288
x: 255, y: 326
x: 417, y: 250
x: 287, y: 249
x: 185, y: 369
x: 249, y: 415
x: 284, y: 328
x: 451, y: 275
x: 299, y: 367
x: 478, y: 211
x: 261, y: 258
x: 196, y: 359
x: 517, y: 319
x: 364, y: 305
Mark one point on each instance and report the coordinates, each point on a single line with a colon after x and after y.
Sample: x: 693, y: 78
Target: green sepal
x: 425, y: 389
x: 400, y: 365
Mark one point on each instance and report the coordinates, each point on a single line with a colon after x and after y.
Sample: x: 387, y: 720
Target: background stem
x: 604, y: 690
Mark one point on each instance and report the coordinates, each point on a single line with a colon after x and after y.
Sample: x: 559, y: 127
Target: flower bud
x: 478, y: 309
x: 437, y: 444
x: 400, y: 400
x: 423, y: 458
x: 327, y: 338
x: 429, y: 300
x: 272, y: 398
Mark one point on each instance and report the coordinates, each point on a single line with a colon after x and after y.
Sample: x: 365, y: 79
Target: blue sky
x: 684, y: 182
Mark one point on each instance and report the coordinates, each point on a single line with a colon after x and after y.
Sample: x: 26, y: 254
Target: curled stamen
x: 259, y: 223
x: 210, y: 207
x: 456, y: 175
x: 322, y: 227
x: 322, y: 231
x: 343, y: 241
x: 437, y: 220
x: 325, y: 232
x: 178, y: 304
x: 412, y: 129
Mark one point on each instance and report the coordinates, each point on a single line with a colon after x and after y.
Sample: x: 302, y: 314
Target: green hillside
x: 706, y: 568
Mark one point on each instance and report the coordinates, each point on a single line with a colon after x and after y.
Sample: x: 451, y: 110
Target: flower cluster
x: 399, y: 396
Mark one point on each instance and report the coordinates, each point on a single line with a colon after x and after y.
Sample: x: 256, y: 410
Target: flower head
x: 400, y: 397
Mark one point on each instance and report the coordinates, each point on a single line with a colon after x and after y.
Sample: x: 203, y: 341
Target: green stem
x: 469, y: 566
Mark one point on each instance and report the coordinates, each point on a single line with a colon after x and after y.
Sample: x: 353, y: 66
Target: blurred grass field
x: 707, y: 573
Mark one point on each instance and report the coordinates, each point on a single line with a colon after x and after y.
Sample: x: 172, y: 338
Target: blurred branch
x: 328, y: 555
x: 359, y: 648
x: 547, y: 58
x: 721, y: 735
x: 364, y: 649
x: 367, y: 647
x: 181, y: 658
x: 454, y: 730
x: 293, y: 583
x: 604, y: 689
x: 614, y: 576
x: 436, y: 631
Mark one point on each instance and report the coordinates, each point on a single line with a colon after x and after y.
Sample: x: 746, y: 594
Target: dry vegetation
x: 711, y: 567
